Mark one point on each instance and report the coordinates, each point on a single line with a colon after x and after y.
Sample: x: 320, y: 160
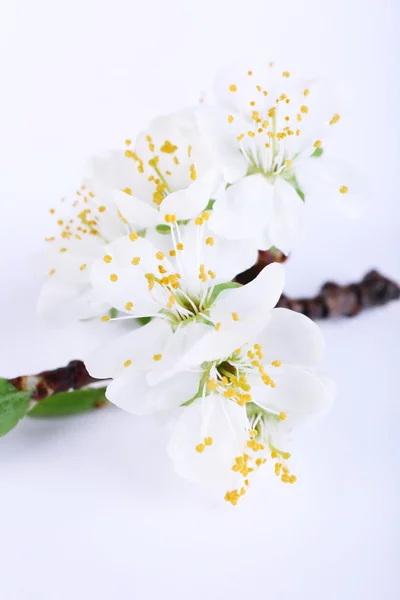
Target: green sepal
x: 210, y: 205
x: 143, y: 320
x: 317, y: 152
x: 220, y: 287
x: 69, y: 403
x: 164, y: 229
x: 13, y: 406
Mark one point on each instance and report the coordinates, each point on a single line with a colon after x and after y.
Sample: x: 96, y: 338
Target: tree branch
x: 73, y: 376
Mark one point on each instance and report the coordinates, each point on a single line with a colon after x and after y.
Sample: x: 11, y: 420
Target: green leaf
x: 13, y: 406
x: 69, y: 403
x: 220, y: 287
x: 318, y: 152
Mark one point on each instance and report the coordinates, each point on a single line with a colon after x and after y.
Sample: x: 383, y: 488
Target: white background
x: 89, y: 505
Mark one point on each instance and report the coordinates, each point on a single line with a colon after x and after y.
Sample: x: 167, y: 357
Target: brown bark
x: 73, y: 376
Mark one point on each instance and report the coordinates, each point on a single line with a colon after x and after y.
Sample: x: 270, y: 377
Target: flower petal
x: 286, y: 227
x: 333, y: 182
x: 63, y: 302
x: 243, y: 210
x: 299, y: 393
x: 291, y: 338
x: 260, y: 294
x: 138, y: 346
x: 189, y: 202
x: 213, y: 417
x: 120, y: 277
x: 136, y: 211
x: 132, y: 393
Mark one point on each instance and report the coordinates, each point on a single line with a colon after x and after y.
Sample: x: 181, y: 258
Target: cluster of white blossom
x: 162, y: 227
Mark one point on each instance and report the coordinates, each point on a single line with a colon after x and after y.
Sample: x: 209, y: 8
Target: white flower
x: 247, y: 403
x: 181, y: 286
x: 85, y: 229
x: 267, y: 133
x: 241, y: 385
x: 168, y: 170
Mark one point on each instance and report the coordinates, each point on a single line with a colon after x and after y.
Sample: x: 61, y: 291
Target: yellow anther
x: 129, y: 306
x: 160, y: 255
x: 208, y: 441
x: 113, y: 277
x: 128, y: 142
x: 51, y: 272
x: 212, y: 384
x: 276, y: 363
x: 282, y: 416
x: 171, y: 301
x: 206, y: 215
x: 211, y: 274
x: 235, y: 316
x: 335, y: 119
x: 343, y: 189
x: 240, y: 137
x: 210, y: 241
x: 200, y: 448
x: 168, y: 148
x: 157, y: 357
x: 105, y: 318
x: 285, y: 74
x: 133, y: 236
x: 83, y: 267
x: 218, y: 326
x: 253, y: 432
x: 135, y: 260
x: 129, y: 154
x: 317, y: 144
x: 127, y: 363
x: 288, y: 164
x: 107, y: 258
x: 252, y: 103
x: 251, y: 134
x: 63, y: 249
x: 271, y: 112
x: 230, y: 118
x: 233, y: 88
x: 170, y: 218
x: 172, y: 253
x: 102, y: 209
x: 249, y: 73
x: 193, y: 174
x: 179, y: 246
x: 292, y: 479
x: 199, y: 221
